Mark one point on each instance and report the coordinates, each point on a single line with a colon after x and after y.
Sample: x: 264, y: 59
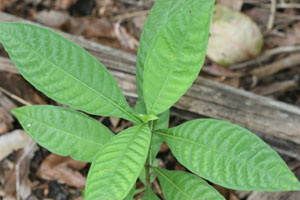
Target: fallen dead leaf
x: 14, y: 181
x: 51, y: 18
x: 234, y: 37
x: 12, y: 141
x: 6, y: 121
x: 90, y: 27
x: 62, y: 169
x: 64, y: 4
x: 114, y: 121
x: 5, y: 3
x: 127, y: 41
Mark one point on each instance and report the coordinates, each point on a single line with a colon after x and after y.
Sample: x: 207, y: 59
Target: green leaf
x: 181, y: 185
x: 64, y: 71
x: 118, y: 164
x: 149, y: 194
x: 172, y: 50
x: 64, y: 131
x: 140, y: 107
x: 229, y: 155
x: 130, y: 194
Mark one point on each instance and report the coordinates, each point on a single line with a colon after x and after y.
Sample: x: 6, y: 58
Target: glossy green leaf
x: 179, y: 185
x: 140, y: 107
x: 229, y: 155
x: 174, y: 55
x: 149, y: 194
x: 130, y: 194
x: 64, y: 131
x: 118, y: 164
x: 63, y: 71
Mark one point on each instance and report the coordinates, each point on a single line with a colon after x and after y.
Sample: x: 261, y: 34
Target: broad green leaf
x: 118, y: 164
x: 174, y: 55
x: 149, y: 194
x: 163, y: 121
x: 130, y: 194
x: 229, y: 155
x: 140, y: 107
x: 179, y: 185
x: 64, y: 71
x: 64, y: 131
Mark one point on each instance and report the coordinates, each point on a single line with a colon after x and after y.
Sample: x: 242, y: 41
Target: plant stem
x: 148, y: 161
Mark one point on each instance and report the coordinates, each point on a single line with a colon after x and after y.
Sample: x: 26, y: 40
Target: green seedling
x: 171, y: 53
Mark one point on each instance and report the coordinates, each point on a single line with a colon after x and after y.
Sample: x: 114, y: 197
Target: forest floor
x: 32, y: 172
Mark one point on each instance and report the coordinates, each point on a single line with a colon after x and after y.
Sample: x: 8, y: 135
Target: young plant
x: 170, y: 56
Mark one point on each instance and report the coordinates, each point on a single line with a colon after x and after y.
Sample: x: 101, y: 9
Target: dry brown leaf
x: 99, y: 28
x: 12, y: 141
x: 51, y: 18
x: 5, y: 3
x: 90, y: 27
x: 64, y: 4
x: 11, y: 173
x: 62, y: 169
x: 127, y: 41
x: 234, y: 37
x: 114, y: 121
x: 6, y: 121
x: 234, y: 4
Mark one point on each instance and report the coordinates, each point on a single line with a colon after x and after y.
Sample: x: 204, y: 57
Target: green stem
x: 148, y: 161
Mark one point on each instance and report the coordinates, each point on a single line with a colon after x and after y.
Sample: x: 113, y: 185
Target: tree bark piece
x: 270, y: 118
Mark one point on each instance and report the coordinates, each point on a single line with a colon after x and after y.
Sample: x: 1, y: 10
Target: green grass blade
x: 64, y: 131
x: 229, y: 155
x: 179, y: 185
x: 64, y: 71
x: 118, y: 164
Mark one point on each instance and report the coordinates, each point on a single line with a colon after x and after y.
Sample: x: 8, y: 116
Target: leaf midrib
x: 76, y: 79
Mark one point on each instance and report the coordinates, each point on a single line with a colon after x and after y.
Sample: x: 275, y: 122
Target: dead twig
x: 273, y: 68
x: 272, y: 16
x: 15, y: 97
x: 275, y: 88
x: 265, y: 56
